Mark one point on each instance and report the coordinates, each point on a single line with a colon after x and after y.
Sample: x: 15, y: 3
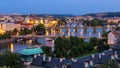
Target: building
x: 8, y: 27
x: 29, y: 54
x: 114, y: 37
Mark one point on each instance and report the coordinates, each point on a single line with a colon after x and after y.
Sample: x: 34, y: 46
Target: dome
x: 26, y: 19
x: 31, y: 51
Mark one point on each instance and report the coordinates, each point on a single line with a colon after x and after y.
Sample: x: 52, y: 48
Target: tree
x: 93, y: 41
x: 15, y: 31
x: 40, y: 29
x: 46, y: 50
x: 63, y: 46
x: 11, y: 60
x: 102, y: 46
x: 94, y: 22
x: 5, y: 35
x: 25, y: 31
x: 80, y: 48
x: 2, y: 61
x: 105, y: 34
x: 75, y: 51
x: 62, y: 21
x: 74, y: 40
x: 118, y: 29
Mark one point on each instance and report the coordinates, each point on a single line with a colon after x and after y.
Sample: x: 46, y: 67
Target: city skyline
x: 75, y: 7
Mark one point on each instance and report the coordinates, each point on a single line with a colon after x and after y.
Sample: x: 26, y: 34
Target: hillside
x: 107, y: 14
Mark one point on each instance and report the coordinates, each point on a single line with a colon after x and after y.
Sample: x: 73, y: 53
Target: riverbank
x: 3, y: 41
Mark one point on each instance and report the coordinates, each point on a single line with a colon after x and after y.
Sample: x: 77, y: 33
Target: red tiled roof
x: 115, y: 33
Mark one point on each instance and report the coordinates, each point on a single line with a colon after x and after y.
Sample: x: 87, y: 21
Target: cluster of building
x: 10, y: 22
x: 39, y: 59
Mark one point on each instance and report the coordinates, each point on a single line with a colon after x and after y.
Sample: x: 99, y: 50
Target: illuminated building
x: 8, y: 27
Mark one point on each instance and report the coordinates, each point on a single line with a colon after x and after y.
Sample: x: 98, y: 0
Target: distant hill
x: 106, y: 14
x: 54, y: 15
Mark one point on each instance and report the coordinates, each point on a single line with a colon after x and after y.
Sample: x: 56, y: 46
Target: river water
x: 17, y: 47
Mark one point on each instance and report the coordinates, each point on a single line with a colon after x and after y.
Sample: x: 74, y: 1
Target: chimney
x: 35, y: 56
x: 115, y: 52
x: 44, y: 57
x: 49, y: 59
x: 110, y: 49
x: 99, y: 56
x: 103, y: 53
x: 61, y: 59
x: 64, y: 66
x: 86, y: 64
x: 38, y: 54
x: 118, y: 63
x: 74, y: 60
x: 91, y: 63
x: 92, y: 56
x: 112, y: 57
x: 116, y: 55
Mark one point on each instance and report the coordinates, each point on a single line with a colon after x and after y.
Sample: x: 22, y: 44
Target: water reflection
x: 29, y: 42
x: 15, y: 47
x: 12, y: 47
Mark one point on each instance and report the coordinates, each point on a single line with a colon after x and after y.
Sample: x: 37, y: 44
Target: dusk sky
x: 76, y: 7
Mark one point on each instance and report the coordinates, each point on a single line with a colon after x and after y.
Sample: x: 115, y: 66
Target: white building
x: 113, y: 37
x: 8, y: 27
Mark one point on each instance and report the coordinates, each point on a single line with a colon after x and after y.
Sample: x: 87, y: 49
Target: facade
x: 8, y: 27
x: 114, y: 37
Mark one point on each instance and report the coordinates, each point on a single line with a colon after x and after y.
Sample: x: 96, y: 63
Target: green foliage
x: 11, y: 60
x: 118, y: 29
x: 106, y: 15
x: 76, y: 41
x: 94, y: 41
x: 5, y: 35
x: 40, y: 29
x: 14, y: 32
x: 81, y: 49
x: 105, y: 34
x: 94, y: 22
x: 73, y: 46
x: 102, y: 46
x: 25, y: 31
x: 61, y: 21
x: 46, y: 50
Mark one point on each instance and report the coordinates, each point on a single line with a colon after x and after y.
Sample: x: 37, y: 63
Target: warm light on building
x: 36, y: 22
x: 52, y: 23
x: 2, y: 31
x: 31, y: 22
x: 41, y: 21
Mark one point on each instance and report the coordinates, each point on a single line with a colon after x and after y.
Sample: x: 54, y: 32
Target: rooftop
x: 115, y: 33
x: 31, y: 51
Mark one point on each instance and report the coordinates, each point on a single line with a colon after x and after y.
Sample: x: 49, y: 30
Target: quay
x: 7, y: 40
x: 50, y: 36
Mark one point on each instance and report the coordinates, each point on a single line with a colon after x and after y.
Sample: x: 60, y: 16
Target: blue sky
x: 76, y: 7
